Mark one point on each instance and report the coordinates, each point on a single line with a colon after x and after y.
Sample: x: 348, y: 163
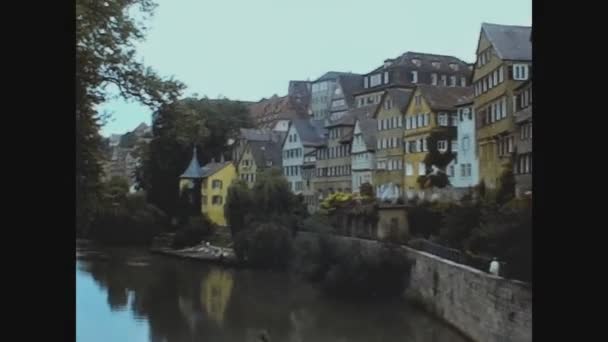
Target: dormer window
x: 454, y: 66
x: 375, y: 80
x: 414, y: 76
x: 416, y: 62
x: 436, y: 64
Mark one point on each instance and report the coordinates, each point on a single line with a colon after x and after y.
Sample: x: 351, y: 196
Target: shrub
x: 376, y: 273
x: 131, y: 222
x: 196, y: 229
x: 458, y: 223
x: 268, y: 245
x: 424, y: 219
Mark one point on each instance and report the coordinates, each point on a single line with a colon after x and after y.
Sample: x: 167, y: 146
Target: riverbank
x: 203, y: 252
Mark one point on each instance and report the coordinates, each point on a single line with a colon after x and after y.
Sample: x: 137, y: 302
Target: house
x: 212, y: 180
x: 274, y: 113
x: 311, y: 198
x: 431, y: 111
x: 258, y: 156
x: 363, y: 162
x: 343, y: 98
x: 389, y: 142
x: 411, y: 69
x: 467, y: 166
x: 247, y: 135
x: 323, y: 90
x: 303, y: 137
x: 522, y: 167
x: 504, y: 57
x: 333, y: 160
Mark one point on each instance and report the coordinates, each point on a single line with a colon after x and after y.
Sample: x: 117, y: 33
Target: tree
x: 105, y: 56
x: 178, y: 127
x: 506, y: 188
x: 238, y: 203
x: 437, y: 159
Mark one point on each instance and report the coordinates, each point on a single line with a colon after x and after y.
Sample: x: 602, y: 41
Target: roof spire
x: 194, y: 168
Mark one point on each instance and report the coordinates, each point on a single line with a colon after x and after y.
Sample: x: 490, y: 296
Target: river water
x: 130, y: 295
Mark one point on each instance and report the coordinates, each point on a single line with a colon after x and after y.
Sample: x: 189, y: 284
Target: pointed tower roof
x: 194, y: 169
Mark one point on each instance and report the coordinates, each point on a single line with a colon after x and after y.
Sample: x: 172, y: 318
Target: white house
x: 301, y: 136
x: 363, y: 160
x: 466, y: 168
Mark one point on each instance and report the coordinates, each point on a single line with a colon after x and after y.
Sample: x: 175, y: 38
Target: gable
x: 483, y: 42
x: 290, y: 144
x: 357, y: 128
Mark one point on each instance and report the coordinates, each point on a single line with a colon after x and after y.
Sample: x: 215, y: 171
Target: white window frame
x: 421, y: 169
x: 463, y: 81
x: 444, y: 80
x: 520, y: 72
x: 375, y: 80
x: 453, y: 81
x: 385, y: 77
x: 414, y: 76
x: 442, y: 145
x: 434, y: 78
x: 409, y: 169
x: 408, y: 122
x: 442, y: 119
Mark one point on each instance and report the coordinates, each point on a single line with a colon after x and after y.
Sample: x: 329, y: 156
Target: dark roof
x: 350, y: 84
x: 426, y: 60
x: 194, y: 169
x: 465, y: 101
x: 444, y: 98
x: 348, y: 119
x: 213, y: 167
x: 401, y: 97
x: 369, y: 128
x: 252, y: 134
x: 510, y: 42
x: 310, y: 133
x: 264, y: 152
x: 331, y: 75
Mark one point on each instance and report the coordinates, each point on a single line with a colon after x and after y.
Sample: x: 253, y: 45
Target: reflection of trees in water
x: 184, y: 301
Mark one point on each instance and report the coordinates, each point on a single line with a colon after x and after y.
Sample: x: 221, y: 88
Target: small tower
x: 190, y: 182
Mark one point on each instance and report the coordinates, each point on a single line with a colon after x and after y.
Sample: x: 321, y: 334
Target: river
x: 126, y: 294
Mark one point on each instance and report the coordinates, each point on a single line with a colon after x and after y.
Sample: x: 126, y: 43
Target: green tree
x: 437, y: 159
x: 506, y: 186
x: 177, y: 127
x: 239, y: 203
x: 105, y: 60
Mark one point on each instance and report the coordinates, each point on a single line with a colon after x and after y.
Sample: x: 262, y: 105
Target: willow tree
x: 106, y: 33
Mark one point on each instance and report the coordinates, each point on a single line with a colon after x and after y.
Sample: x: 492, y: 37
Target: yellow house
x: 214, y: 179
x: 504, y: 62
x: 431, y: 110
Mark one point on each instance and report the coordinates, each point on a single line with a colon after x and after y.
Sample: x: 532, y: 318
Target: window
x: 442, y: 145
x: 452, y: 81
x: 365, y: 82
x: 436, y: 65
x: 385, y: 77
x: 408, y: 122
x: 424, y: 144
x: 414, y: 76
x: 454, y: 145
x: 454, y: 117
x: 501, y: 76
x: 388, y: 104
x: 468, y: 170
x: 442, y: 119
x: 451, y: 171
x: 216, y: 184
x: 454, y: 66
x: 465, y: 143
x: 416, y: 62
x: 216, y: 200
x: 484, y: 85
x: 421, y: 169
x: 444, y: 80
x: 503, y: 105
x: 375, y: 80
x: 409, y: 169
x: 520, y: 72
x: 463, y: 81
x: 434, y: 78
x: 427, y: 119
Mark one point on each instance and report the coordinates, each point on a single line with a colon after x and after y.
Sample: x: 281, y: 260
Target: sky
x: 250, y: 49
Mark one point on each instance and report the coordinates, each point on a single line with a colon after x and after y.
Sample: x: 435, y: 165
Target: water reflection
x: 187, y: 301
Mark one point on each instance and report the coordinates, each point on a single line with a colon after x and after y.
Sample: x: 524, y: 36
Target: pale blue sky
x: 249, y: 49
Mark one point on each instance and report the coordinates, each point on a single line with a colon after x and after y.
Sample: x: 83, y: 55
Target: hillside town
x: 335, y: 133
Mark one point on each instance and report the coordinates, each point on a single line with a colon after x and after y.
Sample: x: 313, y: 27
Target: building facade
x: 257, y: 157
x: 363, y: 160
x: 522, y: 167
x: 323, y: 90
x: 389, y: 142
x: 432, y: 111
x: 303, y: 136
x: 467, y: 166
x: 504, y: 56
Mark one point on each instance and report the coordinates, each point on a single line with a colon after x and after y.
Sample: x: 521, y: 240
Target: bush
x: 379, y: 273
x: 128, y: 223
x: 268, y: 245
x: 425, y: 219
x: 458, y: 223
x: 196, y: 229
